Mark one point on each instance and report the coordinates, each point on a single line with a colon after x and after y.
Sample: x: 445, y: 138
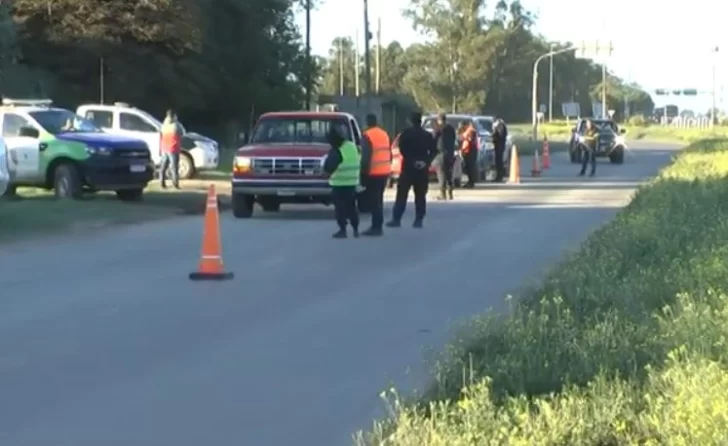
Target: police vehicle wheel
x: 130, y: 194
x: 243, y: 205
x: 67, y: 182
x: 270, y: 205
x: 617, y: 157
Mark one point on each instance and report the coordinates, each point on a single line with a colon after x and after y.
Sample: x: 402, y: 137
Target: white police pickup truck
x: 4, y: 169
x: 198, y: 152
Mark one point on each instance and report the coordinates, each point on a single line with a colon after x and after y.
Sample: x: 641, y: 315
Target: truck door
x: 135, y: 126
x: 23, y: 152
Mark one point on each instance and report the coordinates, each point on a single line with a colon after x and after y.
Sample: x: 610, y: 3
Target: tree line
x: 220, y: 63
x: 478, y: 62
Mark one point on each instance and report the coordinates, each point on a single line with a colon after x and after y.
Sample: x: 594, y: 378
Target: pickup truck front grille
x: 287, y: 166
x: 132, y: 153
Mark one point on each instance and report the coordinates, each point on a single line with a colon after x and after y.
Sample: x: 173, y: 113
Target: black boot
x: 394, y: 224
x: 341, y: 233
x: 373, y: 232
x: 417, y: 223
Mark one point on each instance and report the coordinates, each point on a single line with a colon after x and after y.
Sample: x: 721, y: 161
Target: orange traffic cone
x: 546, y: 153
x: 515, y: 171
x: 536, y: 168
x: 211, y: 267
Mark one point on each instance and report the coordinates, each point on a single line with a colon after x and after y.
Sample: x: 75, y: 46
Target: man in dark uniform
x: 417, y: 148
x: 500, y: 135
x: 445, y: 143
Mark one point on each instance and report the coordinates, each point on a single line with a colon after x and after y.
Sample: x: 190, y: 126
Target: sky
x: 657, y: 44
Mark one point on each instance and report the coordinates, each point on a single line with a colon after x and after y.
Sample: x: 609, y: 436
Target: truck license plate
x: 137, y: 168
x: 286, y: 193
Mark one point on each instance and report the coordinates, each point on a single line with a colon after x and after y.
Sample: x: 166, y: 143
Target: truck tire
x: 67, y: 182
x: 617, y: 156
x: 186, y: 168
x: 243, y: 205
x: 130, y: 194
x: 270, y: 204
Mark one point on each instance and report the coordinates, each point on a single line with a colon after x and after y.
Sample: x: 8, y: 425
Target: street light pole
x: 551, y: 84
x: 309, y: 80
x: 534, y: 87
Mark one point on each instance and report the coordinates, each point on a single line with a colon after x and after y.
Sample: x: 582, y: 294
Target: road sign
x: 594, y: 50
x: 684, y: 92
x: 597, y: 110
x: 542, y: 108
x: 611, y: 113
x: 570, y: 109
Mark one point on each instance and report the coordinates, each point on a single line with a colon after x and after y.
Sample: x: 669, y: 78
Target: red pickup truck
x: 282, y: 161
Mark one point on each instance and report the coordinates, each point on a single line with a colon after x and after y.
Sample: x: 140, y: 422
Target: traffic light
x: 690, y: 92
x: 661, y: 92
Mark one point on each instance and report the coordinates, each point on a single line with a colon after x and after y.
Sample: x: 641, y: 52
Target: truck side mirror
x: 28, y: 132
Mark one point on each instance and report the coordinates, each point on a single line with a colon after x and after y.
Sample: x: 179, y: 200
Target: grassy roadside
x: 37, y: 212
x: 624, y: 342
x: 560, y: 131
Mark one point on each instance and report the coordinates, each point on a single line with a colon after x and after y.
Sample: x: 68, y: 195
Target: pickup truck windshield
x: 62, y: 121
x: 286, y: 130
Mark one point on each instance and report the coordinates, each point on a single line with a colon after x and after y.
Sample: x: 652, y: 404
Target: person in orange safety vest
x: 170, y: 146
x: 469, y: 150
x: 376, y: 168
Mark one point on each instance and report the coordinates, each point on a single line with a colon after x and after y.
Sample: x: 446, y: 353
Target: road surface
x: 104, y: 341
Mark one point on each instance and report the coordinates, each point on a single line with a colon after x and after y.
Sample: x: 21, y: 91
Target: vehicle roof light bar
x: 27, y: 102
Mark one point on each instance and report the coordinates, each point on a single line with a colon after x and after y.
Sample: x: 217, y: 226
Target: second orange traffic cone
x: 536, y: 167
x: 211, y: 266
x: 546, y: 153
x: 515, y: 173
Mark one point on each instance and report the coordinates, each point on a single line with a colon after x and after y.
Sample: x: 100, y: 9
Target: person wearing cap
x: 417, y: 148
x: 343, y: 165
x: 376, y: 168
x: 445, y: 143
x: 170, y: 146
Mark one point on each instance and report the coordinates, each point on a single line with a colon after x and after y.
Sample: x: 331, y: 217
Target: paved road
x: 103, y: 341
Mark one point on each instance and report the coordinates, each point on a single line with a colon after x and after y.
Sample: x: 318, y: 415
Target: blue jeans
x: 587, y: 158
x: 169, y: 160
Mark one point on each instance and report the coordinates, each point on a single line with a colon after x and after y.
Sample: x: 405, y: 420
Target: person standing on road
x: 170, y: 146
x: 445, y: 142
x: 469, y: 150
x: 500, y: 136
x: 588, y: 148
x: 418, y: 150
x: 343, y: 164
x: 376, y: 167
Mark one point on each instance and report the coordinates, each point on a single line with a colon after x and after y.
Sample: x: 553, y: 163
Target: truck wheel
x: 270, y: 205
x: 243, y: 205
x: 617, y: 157
x: 67, y: 182
x: 130, y: 194
x: 186, y: 168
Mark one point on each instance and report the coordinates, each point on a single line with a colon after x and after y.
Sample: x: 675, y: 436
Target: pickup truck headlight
x: 98, y: 150
x: 242, y: 164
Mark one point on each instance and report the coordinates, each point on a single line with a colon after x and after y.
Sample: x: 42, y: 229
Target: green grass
x: 623, y: 343
x: 36, y: 212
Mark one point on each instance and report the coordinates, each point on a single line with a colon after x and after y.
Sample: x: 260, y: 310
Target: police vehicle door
x: 23, y: 151
x: 132, y: 125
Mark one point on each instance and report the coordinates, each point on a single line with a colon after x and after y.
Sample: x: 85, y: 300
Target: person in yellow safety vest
x: 376, y: 167
x: 343, y: 164
x: 170, y: 146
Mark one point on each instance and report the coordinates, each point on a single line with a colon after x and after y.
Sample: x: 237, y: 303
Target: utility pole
x: 308, y: 55
x: 341, y: 67
x: 101, y: 80
x: 604, y: 88
x: 378, y: 61
x: 551, y: 84
x: 712, y: 109
x: 367, y: 54
x: 357, y: 71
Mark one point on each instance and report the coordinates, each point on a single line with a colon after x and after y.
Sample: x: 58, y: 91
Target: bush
x: 637, y: 121
x: 625, y: 343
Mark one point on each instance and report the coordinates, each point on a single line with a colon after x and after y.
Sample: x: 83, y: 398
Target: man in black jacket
x: 417, y: 148
x: 446, y: 142
x: 500, y: 135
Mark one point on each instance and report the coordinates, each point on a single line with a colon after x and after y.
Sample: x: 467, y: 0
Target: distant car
x: 4, y: 167
x: 611, y: 142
